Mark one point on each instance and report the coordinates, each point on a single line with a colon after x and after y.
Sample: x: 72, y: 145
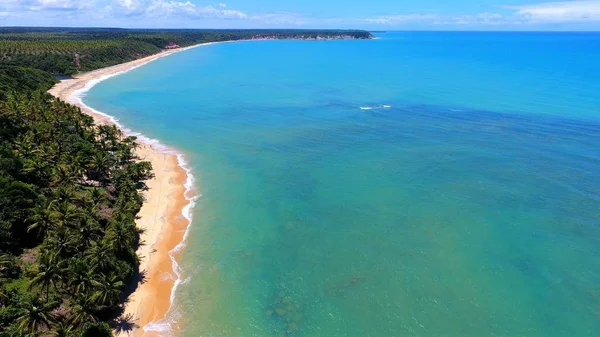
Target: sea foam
x: 383, y: 106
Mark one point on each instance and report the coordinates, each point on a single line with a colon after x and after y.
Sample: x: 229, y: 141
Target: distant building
x: 171, y: 45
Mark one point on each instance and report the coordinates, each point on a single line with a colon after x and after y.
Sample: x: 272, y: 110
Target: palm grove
x: 68, y: 200
x: 69, y: 194
x: 70, y: 189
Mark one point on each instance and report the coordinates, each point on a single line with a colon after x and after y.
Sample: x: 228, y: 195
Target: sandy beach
x: 160, y: 218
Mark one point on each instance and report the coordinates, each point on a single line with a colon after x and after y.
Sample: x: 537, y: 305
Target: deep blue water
x: 422, y: 184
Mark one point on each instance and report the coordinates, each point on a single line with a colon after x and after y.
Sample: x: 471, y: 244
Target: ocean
x: 419, y: 184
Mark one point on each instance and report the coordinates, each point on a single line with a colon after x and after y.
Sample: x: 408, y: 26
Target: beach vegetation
x: 69, y: 194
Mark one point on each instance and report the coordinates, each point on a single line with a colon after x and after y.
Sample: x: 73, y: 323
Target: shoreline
x: 165, y: 216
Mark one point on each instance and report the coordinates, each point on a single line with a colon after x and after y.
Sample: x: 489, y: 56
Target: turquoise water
x: 461, y: 200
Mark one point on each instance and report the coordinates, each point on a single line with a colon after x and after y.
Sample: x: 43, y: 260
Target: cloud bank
x: 161, y: 8
x: 578, y: 11
x: 204, y: 14
x: 567, y: 11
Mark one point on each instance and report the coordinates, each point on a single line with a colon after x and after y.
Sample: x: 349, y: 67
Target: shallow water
x: 421, y: 184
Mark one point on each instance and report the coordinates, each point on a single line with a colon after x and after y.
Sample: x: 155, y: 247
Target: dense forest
x: 69, y: 194
x: 70, y: 189
x: 67, y: 51
x: 24, y: 80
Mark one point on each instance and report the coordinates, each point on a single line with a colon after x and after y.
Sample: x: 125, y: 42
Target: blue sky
x: 371, y: 15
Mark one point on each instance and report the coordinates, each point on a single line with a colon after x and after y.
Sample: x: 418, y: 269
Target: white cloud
x: 434, y: 19
x: 161, y: 8
x: 566, y: 11
x: 130, y: 5
x: 50, y: 5
x: 479, y: 19
x: 399, y: 19
x: 577, y: 11
x: 7, y: 14
x: 190, y: 13
x: 282, y: 18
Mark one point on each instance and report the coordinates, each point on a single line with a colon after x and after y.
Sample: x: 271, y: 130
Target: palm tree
x: 62, y: 241
x: 5, y: 262
x: 35, y: 314
x: 49, y: 151
x: 98, y: 196
x: 100, y: 255
x: 50, y: 271
x: 3, y: 295
x: 83, y: 311
x: 63, y: 329
x: 64, y: 175
x: 9, y: 266
x: 89, y: 230
x: 66, y: 214
x: 43, y: 218
x: 100, y: 167
x: 107, y: 291
x: 65, y: 193
x: 122, y: 236
x: 25, y: 147
x: 109, y: 136
x: 81, y: 276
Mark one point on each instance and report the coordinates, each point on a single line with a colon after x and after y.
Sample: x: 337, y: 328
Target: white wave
x: 375, y: 107
x: 187, y: 213
x: 164, y: 326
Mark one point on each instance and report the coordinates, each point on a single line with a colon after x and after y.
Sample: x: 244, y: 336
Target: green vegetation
x: 68, y: 201
x: 69, y: 189
x: 27, y: 80
x: 67, y: 51
x: 68, y: 57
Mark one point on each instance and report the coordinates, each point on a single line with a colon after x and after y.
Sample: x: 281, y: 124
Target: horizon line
x: 320, y: 29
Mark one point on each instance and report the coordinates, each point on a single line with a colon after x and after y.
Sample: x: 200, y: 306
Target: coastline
x: 164, y: 217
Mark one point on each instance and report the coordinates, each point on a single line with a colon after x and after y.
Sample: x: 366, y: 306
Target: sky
x: 346, y: 14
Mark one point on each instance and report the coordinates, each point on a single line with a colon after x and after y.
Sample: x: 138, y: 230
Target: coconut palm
x: 107, y: 291
x: 63, y: 329
x: 25, y: 147
x: 66, y: 214
x: 62, y: 241
x: 100, y: 165
x: 101, y: 256
x: 5, y: 261
x: 42, y: 218
x: 98, y: 196
x: 65, y: 194
x: 83, y: 311
x: 89, y: 231
x: 50, y: 272
x: 34, y: 314
x: 3, y: 295
x: 122, y: 236
x: 64, y: 175
x: 81, y: 276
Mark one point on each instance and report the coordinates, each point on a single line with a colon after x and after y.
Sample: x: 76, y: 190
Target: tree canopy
x: 69, y: 194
